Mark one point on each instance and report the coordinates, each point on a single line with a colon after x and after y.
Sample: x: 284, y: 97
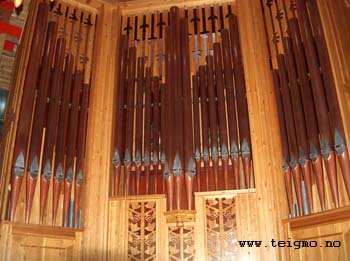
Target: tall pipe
x: 28, y: 97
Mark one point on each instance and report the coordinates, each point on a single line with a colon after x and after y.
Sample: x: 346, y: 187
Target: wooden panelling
x: 323, y: 236
x: 137, y: 7
x: 33, y: 242
x: 258, y: 212
x: 245, y: 227
x: 124, y: 233
x: 99, y: 136
x: 122, y: 221
x: 270, y: 192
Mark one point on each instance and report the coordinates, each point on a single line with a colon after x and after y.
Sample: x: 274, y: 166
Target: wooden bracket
x: 180, y: 217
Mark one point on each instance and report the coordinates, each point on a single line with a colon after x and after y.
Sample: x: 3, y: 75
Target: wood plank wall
x: 99, y: 135
x: 263, y: 121
x: 323, y: 236
x: 34, y: 242
x: 269, y: 201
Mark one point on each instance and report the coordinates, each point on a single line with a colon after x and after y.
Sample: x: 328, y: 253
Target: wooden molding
x: 319, y: 219
x: 180, y: 217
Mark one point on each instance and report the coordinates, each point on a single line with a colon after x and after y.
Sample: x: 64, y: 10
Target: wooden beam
x: 99, y: 139
x: 272, y: 204
x: 139, y: 7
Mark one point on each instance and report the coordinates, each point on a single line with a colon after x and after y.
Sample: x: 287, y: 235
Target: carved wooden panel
x: 181, y: 243
x: 142, y: 231
x: 137, y: 228
x: 221, y: 228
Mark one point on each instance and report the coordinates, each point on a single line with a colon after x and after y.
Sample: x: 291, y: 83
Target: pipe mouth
x: 325, y: 149
x: 116, y: 159
x: 285, y: 166
x: 339, y: 143
x: 293, y: 162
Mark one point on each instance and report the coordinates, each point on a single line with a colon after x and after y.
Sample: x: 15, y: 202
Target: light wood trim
x: 22, y: 241
x: 96, y: 189
x: 50, y: 231
x: 139, y: 198
x: 322, y: 218
x: 139, y: 7
x: 88, y: 5
x: 223, y: 193
x: 263, y: 119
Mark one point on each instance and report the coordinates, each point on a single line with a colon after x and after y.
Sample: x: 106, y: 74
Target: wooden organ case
x: 173, y: 130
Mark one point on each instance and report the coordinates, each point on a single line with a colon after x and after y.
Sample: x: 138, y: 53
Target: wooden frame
x: 269, y: 200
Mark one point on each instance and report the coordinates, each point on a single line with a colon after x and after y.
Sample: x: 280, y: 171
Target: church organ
x: 56, y: 91
x: 177, y: 107
x: 156, y: 130
x: 309, y: 112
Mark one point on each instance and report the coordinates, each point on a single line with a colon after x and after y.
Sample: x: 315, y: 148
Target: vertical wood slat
x: 20, y: 242
x: 98, y: 151
x: 262, y: 112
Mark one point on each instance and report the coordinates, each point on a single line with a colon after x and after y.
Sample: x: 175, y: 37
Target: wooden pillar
x: 335, y: 17
x: 269, y: 180
x: 99, y: 136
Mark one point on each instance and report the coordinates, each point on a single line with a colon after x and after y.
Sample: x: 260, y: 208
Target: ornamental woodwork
x: 214, y: 192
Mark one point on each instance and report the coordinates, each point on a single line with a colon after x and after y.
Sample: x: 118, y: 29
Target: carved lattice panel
x: 181, y: 243
x: 221, y: 229
x: 142, y: 231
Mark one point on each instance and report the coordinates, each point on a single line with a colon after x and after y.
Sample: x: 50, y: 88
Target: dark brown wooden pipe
x: 28, y: 97
x: 62, y: 124
x: 284, y: 142
x: 39, y: 117
x: 330, y: 164
x: 119, y: 126
x: 291, y: 129
x: 128, y: 153
x: 189, y: 162
x: 241, y: 99
x: 331, y: 94
x: 57, y: 184
x: 213, y: 126
x: 297, y: 174
x: 299, y: 117
x: 196, y: 129
x: 72, y: 141
x: 319, y: 98
x: 139, y: 120
x: 288, y: 184
x: 309, y: 108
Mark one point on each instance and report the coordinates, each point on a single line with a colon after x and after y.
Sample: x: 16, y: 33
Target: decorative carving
x: 142, y: 231
x: 179, y: 217
x: 221, y: 229
x: 181, y: 243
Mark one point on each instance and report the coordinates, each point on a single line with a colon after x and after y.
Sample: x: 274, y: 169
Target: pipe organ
x: 309, y: 113
x: 181, y: 112
x: 176, y: 130
x: 51, y: 131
